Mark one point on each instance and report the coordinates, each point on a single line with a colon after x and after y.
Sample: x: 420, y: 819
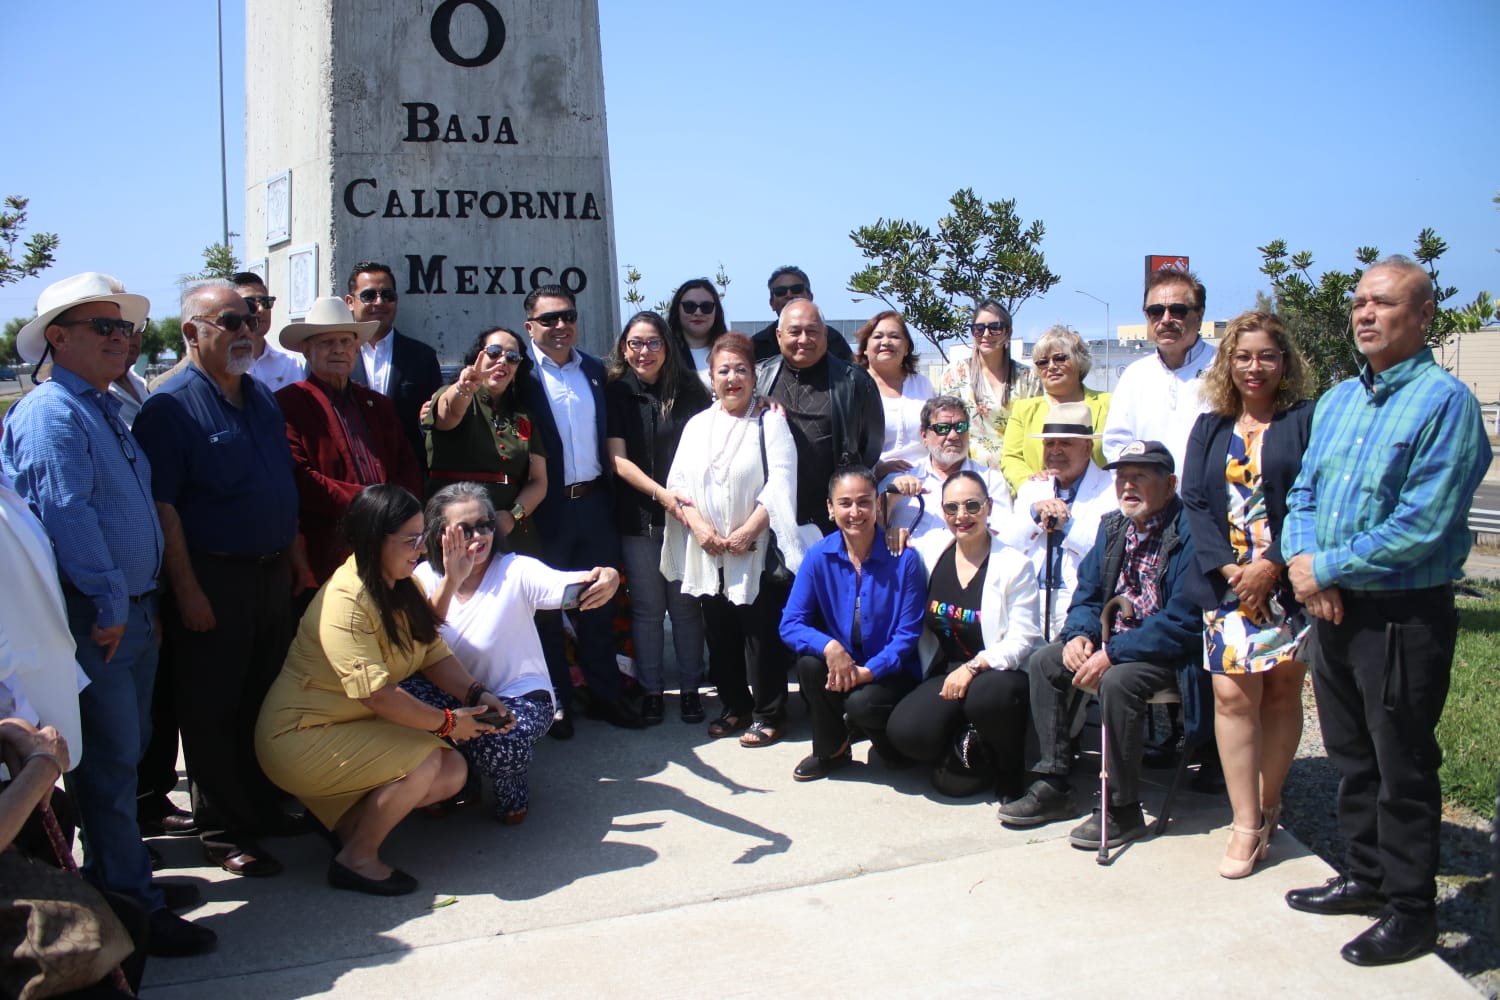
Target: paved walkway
x: 658, y: 864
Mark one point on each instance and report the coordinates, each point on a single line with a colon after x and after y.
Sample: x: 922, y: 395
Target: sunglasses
x: 103, y: 326
x: 1055, y: 359
x: 561, y: 317
x: 369, y: 295
x: 945, y: 428
x: 1177, y: 309
x: 706, y: 308
x: 230, y: 322
x: 264, y: 301
x: 485, y: 527
x: 649, y: 346
x: 777, y: 291
x: 952, y: 507
x: 980, y: 329
x: 508, y: 356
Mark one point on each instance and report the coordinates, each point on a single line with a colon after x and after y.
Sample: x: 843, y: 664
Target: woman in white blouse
x: 887, y: 352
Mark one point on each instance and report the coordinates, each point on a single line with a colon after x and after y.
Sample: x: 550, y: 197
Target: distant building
x: 1211, y: 330
x: 1474, y: 359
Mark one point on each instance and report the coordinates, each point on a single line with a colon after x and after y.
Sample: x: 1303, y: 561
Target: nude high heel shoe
x: 1237, y: 868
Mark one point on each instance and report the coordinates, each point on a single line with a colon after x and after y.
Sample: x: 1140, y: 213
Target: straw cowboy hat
x: 329, y: 314
x: 59, y: 297
x: 1069, y: 420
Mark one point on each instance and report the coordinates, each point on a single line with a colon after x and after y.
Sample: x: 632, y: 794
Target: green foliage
x: 637, y: 301
x: 8, y: 333
x: 37, y: 252
x: 219, y: 261
x: 161, y: 335
x: 1316, y: 310
x: 1467, y: 733
x: 980, y: 250
x: 633, y: 288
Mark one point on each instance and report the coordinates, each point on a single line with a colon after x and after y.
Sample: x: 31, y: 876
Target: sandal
x: 761, y: 734
x: 728, y: 724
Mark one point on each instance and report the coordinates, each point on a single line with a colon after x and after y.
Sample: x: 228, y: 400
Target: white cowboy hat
x: 59, y: 297
x: 329, y: 314
x: 1069, y: 420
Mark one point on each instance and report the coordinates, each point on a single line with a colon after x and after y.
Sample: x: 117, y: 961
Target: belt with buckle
x: 576, y: 490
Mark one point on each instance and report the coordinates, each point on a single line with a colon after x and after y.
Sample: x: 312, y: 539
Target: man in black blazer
x: 565, y: 398
x: 392, y: 364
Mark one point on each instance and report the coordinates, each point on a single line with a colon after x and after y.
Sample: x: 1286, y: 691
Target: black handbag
x: 776, y: 570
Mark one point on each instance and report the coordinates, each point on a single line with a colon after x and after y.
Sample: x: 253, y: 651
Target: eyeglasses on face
x: 1043, y: 363
x: 549, y: 320
x: 230, y: 322
x: 369, y: 295
x: 263, y: 301
x: 777, y: 291
x: 1177, y: 309
x: 994, y: 327
x: 649, y: 346
x: 1244, y: 360
x: 952, y: 507
x: 412, y: 541
x: 504, y: 354
x: 949, y: 426
x: 103, y: 326
x: 690, y: 307
x: 484, y: 527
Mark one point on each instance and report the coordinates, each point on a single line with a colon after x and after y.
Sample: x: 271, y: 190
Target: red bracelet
x: 447, y: 727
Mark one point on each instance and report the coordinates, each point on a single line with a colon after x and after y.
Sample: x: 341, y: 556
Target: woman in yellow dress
x: 336, y: 730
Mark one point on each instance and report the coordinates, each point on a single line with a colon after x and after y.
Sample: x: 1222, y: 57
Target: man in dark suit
x: 392, y: 363
x: 565, y: 396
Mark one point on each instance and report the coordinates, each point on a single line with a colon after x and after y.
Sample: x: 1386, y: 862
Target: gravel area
x: 1467, y: 940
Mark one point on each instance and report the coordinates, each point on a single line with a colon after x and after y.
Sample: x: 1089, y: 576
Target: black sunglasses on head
x: 369, y: 295
x: 1177, y: 309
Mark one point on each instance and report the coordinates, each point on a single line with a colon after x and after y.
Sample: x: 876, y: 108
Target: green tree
x: 37, y: 251
x: 1316, y: 310
x: 12, y: 327
x: 161, y: 335
x: 219, y: 261
x: 981, y: 250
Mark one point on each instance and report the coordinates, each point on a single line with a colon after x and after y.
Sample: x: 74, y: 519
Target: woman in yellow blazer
x: 1061, y: 359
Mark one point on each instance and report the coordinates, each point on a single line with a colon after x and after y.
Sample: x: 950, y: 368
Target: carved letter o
x: 442, y: 32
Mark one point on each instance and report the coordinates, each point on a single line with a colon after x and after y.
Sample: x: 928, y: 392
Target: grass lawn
x: 1470, y: 731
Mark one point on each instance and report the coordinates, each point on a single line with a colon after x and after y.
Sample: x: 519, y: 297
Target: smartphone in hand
x: 573, y: 595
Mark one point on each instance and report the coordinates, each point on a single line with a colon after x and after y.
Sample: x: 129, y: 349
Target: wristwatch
x: 518, y: 512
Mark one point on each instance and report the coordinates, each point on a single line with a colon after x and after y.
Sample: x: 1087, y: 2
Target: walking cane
x: 1107, y: 616
x: 1048, y: 579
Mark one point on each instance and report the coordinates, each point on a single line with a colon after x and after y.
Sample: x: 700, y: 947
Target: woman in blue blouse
x: 853, y: 620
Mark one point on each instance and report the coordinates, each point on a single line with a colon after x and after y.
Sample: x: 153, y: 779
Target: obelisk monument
x: 461, y: 142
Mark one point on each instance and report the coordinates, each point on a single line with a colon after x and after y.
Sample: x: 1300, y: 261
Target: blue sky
x: 756, y: 135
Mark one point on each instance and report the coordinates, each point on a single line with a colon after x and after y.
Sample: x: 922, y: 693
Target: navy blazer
x: 540, y: 407
x: 1207, y: 501
x: 415, y: 378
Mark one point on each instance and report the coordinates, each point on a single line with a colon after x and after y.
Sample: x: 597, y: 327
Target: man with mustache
x: 224, y: 491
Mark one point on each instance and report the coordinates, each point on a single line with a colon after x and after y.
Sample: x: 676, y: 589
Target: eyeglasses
x: 267, y: 301
x: 952, y: 507
x: 943, y: 429
x: 412, y: 541
x: 777, y: 291
x: 508, y: 356
x: 1177, y: 309
x: 485, y: 527
x: 1044, y: 363
x: 561, y: 317
x: 980, y: 329
x: 1244, y: 361
x: 369, y: 295
x: 649, y: 346
x: 103, y: 326
x: 706, y: 308
x: 229, y: 321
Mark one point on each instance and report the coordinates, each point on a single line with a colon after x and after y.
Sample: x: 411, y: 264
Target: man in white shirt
x: 272, y: 367
x: 945, y: 435
x: 1158, y: 399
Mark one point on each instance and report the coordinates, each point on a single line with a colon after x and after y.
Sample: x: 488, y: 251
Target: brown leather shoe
x: 251, y: 862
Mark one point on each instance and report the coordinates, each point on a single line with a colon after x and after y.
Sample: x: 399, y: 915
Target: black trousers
x: 867, y: 707
x: 745, y: 655
x: 925, y: 724
x: 580, y: 537
x: 221, y: 677
x: 1123, y: 693
x: 1381, y: 678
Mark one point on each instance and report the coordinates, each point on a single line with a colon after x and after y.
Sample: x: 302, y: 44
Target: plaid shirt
x: 1139, y: 570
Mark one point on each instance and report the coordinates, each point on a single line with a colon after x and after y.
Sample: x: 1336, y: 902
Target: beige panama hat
x: 1069, y: 420
x: 59, y: 297
x: 329, y: 314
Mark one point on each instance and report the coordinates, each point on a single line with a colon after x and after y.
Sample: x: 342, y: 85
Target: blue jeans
x: 652, y: 598
x: 115, y: 712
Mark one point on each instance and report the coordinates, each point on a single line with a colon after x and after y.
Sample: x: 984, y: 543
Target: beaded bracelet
x: 442, y: 731
x: 476, y: 691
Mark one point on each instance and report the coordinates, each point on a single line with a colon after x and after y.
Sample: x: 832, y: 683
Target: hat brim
x: 1066, y: 435
x: 31, y: 339
x: 294, y: 335
x: 1159, y: 461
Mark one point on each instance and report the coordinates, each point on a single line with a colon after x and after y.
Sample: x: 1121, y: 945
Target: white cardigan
x: 1008, y: 615
x: 1096, y: 497
x: 733, y: 500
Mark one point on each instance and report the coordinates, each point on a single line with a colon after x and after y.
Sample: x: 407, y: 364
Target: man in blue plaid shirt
x: 1376, y: 532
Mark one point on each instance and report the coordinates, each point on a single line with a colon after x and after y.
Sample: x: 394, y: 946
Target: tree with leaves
x: 219, y: 261
x: 981, y: 250
x: 8, y: 354
x: 636, y: 301
x: 37, y: 252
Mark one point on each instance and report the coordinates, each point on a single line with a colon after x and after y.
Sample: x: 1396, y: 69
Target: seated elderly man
x: 344, y: 436
x: 1143, y: 553
x: 1058, y: 510
x: 945, y: 435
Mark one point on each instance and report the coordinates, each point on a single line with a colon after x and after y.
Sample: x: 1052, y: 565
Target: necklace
x: 723, y: 444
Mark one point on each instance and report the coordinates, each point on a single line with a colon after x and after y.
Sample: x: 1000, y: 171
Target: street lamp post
x: 1109, y: 373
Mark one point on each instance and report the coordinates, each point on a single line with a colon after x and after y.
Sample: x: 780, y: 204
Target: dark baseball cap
x: 1145, y: 453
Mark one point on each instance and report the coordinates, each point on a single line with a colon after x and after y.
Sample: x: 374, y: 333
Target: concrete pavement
x: 661, y: 864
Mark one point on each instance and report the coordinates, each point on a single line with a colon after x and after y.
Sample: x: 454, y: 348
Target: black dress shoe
x: 1395, y: 937
x: 172, y: 937
x: 692, y: 707
x: 562, y: 725
x: 1339, y: 894
x: 814, y: 767
x: 617, y: 713
x: 179, y: 895
x: 251, y: 861
x: 157, y: 861
x: 177, y: 823
x: 397, y: 883
x: 653, y: 709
